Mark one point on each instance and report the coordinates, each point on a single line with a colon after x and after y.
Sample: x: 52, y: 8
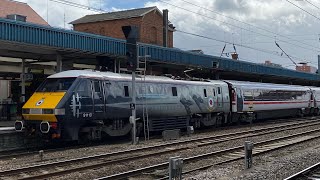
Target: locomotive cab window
x: 97, y: 90
x: 174, y: 91
x: 56, y: 85
x: 126, y: 91
x: 205, y: 92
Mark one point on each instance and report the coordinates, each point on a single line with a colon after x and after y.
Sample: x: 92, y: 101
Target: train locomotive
x: 83, y: 104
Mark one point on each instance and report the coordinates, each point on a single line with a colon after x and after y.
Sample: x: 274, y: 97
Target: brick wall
x: 306, y: 68
x: 151, y: 30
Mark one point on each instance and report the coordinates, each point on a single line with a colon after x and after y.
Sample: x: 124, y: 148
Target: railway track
x: 16, y: 153
x: 52, y: 169
x: 311, y: 172
x: 229, y: 155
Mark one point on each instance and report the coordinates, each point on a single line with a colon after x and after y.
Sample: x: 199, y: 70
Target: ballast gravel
x: 234, y: 170
x: 278, y: 164
x: 108, y: 148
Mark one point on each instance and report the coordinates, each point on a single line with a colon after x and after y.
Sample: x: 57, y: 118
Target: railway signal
x: 132, y: 34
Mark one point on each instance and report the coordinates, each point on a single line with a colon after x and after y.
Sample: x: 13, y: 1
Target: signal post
x: 132, y: 52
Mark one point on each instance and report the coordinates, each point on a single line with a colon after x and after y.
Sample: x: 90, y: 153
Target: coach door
x: 219, y: 97
x: 98, y: 98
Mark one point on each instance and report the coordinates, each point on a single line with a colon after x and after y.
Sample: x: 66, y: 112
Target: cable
x: 262, y: 50
x: 314, y: 50
x: 69, y: 3
x: 286, y: 54
x: 247, y: 23
x: 248, y: 47
x: 312, y: 4
x: 100, y: 10
x: 303, y: 9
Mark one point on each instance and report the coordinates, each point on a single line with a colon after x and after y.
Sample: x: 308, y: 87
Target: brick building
x: 149, y: 20
x: 20, y: 11
x: 306, y: 68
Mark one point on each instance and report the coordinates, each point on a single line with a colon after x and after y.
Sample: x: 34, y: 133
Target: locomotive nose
x: 44, y: 127
x: 18, y: 125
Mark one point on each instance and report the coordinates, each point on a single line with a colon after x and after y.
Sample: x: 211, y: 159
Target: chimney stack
x: 165, y: 27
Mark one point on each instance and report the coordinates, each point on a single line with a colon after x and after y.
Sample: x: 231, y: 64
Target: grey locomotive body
x: 96, y: 103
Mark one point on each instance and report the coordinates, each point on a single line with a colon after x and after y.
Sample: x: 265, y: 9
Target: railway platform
x: 6, y: 124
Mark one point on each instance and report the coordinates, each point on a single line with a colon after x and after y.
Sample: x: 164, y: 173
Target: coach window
x: 205, y: 92
x: 126, y: 91
x: 214, y: 92
x: 174, y: 91
x: 219, y: 90
x: 248, y: 95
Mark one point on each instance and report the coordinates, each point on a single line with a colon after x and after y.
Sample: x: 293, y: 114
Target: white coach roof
x: 111, y: 75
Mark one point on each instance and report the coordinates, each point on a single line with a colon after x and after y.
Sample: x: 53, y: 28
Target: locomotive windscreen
x: 56, y: 85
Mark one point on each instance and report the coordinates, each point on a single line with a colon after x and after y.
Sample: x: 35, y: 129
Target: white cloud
x: 60, y: 14
x: 277, y: 16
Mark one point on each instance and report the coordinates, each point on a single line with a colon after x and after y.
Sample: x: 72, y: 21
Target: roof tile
x: 114, y: 15
x: 8, y: 7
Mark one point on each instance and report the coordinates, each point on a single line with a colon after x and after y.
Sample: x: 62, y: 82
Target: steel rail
x: 201, y: 156
x: 223, y: 137
x: 8, y: 154
x: 303, y: 172
x: 140, y: 156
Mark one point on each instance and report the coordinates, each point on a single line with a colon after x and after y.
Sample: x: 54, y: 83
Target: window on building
x: 153, y: 34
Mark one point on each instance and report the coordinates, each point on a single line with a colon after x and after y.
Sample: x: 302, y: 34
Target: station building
x: 149, y: 20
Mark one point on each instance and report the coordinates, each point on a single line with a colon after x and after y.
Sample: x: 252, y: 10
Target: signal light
x: 131, y: 33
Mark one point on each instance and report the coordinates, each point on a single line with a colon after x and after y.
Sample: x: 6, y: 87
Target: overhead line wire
x: 303, y: 9
x: 257, y: 49
x: 312, y: 4
x: 245, y: 46
x: 257, y: 27
x: 78, y: 5
x: 314, y: 50
x: 101, y: 10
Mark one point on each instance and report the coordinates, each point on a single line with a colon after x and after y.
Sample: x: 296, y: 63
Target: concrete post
x: 248, y: 147
x: 23, y: 81
x: 175, y: 168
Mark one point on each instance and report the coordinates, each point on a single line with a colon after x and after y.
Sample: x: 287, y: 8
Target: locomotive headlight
x: 59, y: 112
